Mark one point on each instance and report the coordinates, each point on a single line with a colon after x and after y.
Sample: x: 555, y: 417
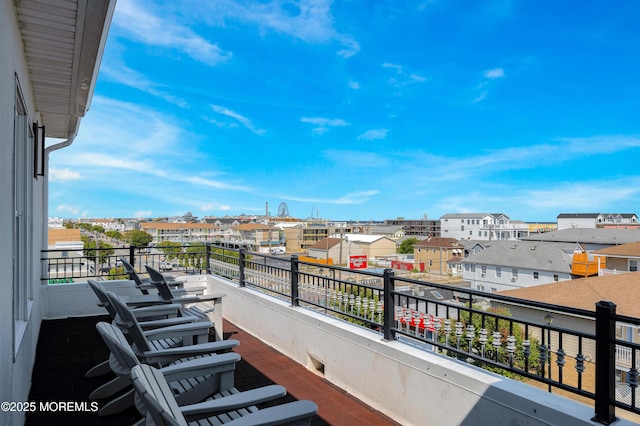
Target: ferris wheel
x: 283, y: 210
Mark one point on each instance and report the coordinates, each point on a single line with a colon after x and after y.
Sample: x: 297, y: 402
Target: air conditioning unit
x: 513, y: 280
x: 482, y: 275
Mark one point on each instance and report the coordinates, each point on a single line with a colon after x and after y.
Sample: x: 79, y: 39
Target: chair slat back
x: 158, y: 397
x: 130, y: 321
x: 102, y: 297
x: 157, y: 279
x: 133, y: 275
x: 119, y: 346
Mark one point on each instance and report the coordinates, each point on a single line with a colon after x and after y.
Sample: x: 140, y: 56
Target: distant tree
x: 98, y: 228
x: 407, y: 245
x: 100, y: 249
x: 85, y: 226
x: 137, y: 238
x: 116, y: 235
x: 117, y: 273
x: 170, y: 249
x: 195, y: 254
x: 70, y: 225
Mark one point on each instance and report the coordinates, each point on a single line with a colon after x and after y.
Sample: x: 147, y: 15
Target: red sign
x: 358, y: 261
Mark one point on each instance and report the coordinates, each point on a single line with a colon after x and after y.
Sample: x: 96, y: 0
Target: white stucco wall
x: 16, y: 358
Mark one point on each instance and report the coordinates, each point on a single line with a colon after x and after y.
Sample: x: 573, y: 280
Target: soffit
x: 63, y: 42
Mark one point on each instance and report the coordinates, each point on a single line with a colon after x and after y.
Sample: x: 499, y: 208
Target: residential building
x: 438, y: 255
x: 482, y: 226
x: 183, y: 233
x: 341, y: 248
x: 596, y: 220
x: 584, y: 293
x: 302, y: 236
x: 417, y: 227
x: 589, y: 238
x: 513, y: 264
x: 618, y: 259
x: 259, y: 236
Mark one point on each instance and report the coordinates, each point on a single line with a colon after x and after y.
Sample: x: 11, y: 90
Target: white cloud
x: 62, y: 175
x: 239, y: 118
x: 401, y: 77
x: 354, y: 85
x: 374, y: 134
x: 323, y: 124
x: 214, y: 207
x: 143, y: 26
x: 142, y: 213
x: 115, y: 71
x: 494, y: 73
x: 360, y: 197
x: 309, y: 20
x: 68, y: 209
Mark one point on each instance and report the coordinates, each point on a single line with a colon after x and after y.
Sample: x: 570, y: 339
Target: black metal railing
x: 68, y: 266
x: 522, y: 339
x: 568, y: 349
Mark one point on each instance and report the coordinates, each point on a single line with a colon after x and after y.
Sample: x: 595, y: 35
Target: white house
x: 506, y: 265
x: 594, y: 220
x: 51, y: 52
x: 481, y: 226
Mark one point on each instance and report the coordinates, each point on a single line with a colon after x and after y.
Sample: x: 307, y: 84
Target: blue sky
x: 360, y: 110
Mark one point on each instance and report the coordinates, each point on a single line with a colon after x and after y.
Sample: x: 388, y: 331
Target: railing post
x: 207, y: 257
x: 605, y: 363
x: 132, y: 252
x: 389, y: 305
x: 294, y: 280
x: 241, y: 267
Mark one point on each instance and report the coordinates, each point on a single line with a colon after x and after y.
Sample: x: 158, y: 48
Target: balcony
x: 414, y: 359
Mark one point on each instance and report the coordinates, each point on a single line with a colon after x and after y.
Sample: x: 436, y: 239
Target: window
x: 484, y: 270
x: 498, y: 271
x: 555, y: 278
x: 494, y: 289
x: 633, y: 265
x: 470, y: 232
x: 462, y: 227
x: 23, y: 148
x: 535, y: 275
x: 514, y: 275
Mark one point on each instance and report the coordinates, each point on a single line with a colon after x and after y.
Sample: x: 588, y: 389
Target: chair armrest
x: 217, y: 297
x: 192, y: 290
x: 166, y: 322
x: 279, y: 414
x: 201, y: 366
x: 172, y: 354
x: 232, y: 402
x: 156, y: 310
x: 180, y: 330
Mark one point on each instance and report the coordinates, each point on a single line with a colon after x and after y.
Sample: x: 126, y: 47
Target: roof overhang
x: 63, y: 44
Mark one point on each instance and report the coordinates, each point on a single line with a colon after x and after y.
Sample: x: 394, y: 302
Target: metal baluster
x: 483, y: 340
x: 471, y: 334
x: 447, y: 330
x: 458, y: 333
x: 497, y: 343
x: 511, y: 348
